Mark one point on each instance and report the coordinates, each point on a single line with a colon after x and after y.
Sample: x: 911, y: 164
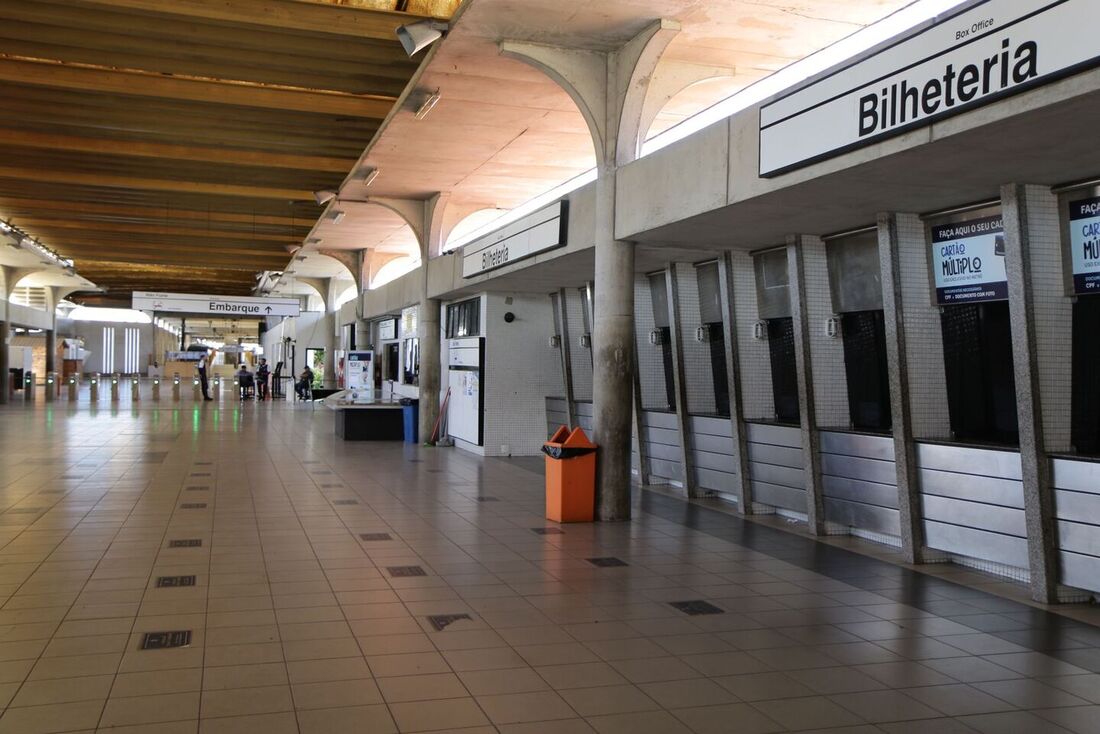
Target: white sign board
x: 466, y: 404
x: 972, y: 57
x: 359, y: 376
x: 192, y: 303
x: 968, y: 261
x: 387, y: 330
x: 1084, y: 243
x: 535, y: 233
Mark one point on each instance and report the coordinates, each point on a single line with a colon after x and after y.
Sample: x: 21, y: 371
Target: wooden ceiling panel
x: 176, y: 144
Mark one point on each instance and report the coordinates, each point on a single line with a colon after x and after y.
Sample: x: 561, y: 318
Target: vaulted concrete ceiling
x: 175, y: 144
x: 503, y: 133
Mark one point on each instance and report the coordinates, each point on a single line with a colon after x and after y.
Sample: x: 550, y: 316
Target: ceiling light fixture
x: 369, y: 176
x: 323, y: 197
x: 428, y: 105
x: 420, y: 35
x: 337, y: 216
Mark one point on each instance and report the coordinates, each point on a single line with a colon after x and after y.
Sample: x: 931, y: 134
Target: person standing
x: 263, y: 372
x: 201, y: 366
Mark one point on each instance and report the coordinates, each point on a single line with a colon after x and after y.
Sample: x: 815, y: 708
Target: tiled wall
x: 1053, y: 313
x: 754, y: 367
x: 651, y: 371
x: 923, y: 337
x: 698, y: 375
x: 520, y: 371
x: 826, y: 353
x: 580, y: 357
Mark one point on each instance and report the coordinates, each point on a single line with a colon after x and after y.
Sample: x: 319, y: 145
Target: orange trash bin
x: 570, y: 476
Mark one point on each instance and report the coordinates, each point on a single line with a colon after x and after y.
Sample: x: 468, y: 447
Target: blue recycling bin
x: 411, y: 410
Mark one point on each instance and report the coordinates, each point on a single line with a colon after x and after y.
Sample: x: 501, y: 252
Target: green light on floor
x: 194, y: 420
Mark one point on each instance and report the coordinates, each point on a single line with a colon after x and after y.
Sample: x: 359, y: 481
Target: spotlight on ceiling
x: 369, y: 176
x: 420, y: 35
x: 427, y: 105
x: 323, y: 197
x: 337, y: 216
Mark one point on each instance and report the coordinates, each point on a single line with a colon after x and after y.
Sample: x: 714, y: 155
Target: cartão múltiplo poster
x: 968, y: 261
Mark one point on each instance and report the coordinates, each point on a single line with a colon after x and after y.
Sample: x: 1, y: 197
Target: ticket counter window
x: 981, y: 387
x: 1085, y: 421
x: 784, y: 369
x: 710, y: 315
x: 864, y: 335
x: 658, y: 291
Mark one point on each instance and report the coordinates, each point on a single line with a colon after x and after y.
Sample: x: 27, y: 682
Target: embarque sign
x: 985, y: 52
x: 193, y: 303
x: 968, y: 261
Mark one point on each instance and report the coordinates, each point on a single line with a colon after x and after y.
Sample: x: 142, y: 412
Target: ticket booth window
x: 658, y: 291
x: 864, y: 336
x: 1085, y: 420
x: 784, y: 369
x: 981, y: 387
x: 710, y: 316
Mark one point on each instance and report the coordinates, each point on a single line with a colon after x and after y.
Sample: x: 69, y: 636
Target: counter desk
x: 378, y: 421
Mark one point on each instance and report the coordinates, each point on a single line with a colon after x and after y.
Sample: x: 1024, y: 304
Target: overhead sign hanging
x: 968, y: 261
x: 1084, y: 242
x: 544, y: 230
x: 193, y: 303
x: 988, y: 51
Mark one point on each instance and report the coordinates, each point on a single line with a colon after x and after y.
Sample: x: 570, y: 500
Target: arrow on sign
x: 268, y: 309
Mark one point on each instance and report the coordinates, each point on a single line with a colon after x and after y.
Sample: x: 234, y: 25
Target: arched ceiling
x: 175, y: 144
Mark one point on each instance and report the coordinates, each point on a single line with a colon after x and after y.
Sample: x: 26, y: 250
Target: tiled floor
x: 297, y: 623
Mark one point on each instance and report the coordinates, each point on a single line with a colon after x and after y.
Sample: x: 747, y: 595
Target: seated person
x: 304, y: 384
x: 245, y: 381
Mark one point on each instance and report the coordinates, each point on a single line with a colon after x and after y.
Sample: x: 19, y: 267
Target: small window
x: 784, y: 369
x: 1085, y: 421
x: 981, y: 386
x: 711, y: 318
x: 658, y: 292
x: 464, y: 319
x: 411, y: 362
x: 864, y: 335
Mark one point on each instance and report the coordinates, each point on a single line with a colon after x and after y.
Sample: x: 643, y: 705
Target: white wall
x: 520, y: 371
x: 311, y: 330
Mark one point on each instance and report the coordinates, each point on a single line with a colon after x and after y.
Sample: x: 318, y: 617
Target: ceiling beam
x: 251, y: 264
x: 284, y: 15
x: 152, y: 184
x: 86, y: 78
x: 54, y: 224
x: 143, y: 149
x: 12, y: 206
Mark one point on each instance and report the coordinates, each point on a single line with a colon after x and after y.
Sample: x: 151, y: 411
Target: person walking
x: 263, y: 372
x: 201, y: 367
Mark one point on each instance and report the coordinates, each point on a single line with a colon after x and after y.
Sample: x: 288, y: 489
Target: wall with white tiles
x: 651, y: 370
x: 580, y: 358
x: 698, y: 374
x: 923, y: 335
x: 754, y: 365
x: 521, y: 369
x: 826, y: 353
x: 1053, y: 314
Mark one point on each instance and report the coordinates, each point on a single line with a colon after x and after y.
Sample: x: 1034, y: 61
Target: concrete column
x: 613, y: 359
x: 811, y: 439
x: 683, y: 421
x: 428, y: 330
x: 742, y: 484
x: 1022, y: 254
x: 905, y: 459
x: 51, y: 351
x: 5, y: 376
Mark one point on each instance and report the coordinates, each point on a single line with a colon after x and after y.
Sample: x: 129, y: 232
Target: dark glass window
x: 1085, y: 421
x: 864, y: 334
x: 784, y: 369
x: 981, y: 387
x: 464, y: 319
x: 412, y: 362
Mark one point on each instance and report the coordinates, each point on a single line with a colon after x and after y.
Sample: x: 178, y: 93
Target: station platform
x: 231, y: 568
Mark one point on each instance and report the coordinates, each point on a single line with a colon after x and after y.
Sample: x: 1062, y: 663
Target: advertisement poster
x: 968, y: 261
x: 359, y: 373
x: 1084, y: 243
